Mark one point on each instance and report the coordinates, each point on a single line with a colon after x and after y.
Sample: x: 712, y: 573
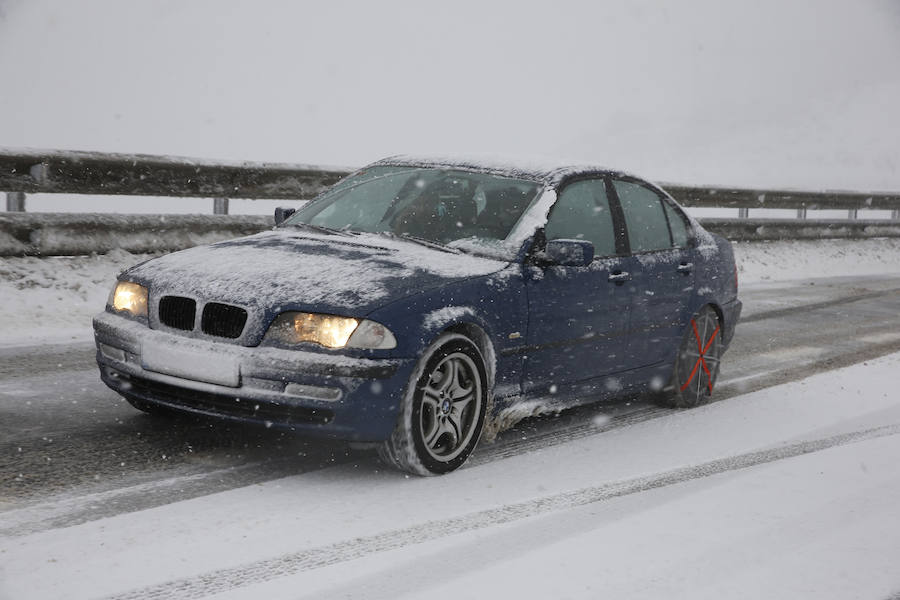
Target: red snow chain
x: 701, y: 361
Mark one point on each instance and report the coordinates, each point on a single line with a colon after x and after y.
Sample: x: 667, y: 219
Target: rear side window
x: 582, y: 213
x: 645, y: 217
x: 677, y: 225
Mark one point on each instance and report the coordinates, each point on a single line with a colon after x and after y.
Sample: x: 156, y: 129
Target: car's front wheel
x: 443, y: 409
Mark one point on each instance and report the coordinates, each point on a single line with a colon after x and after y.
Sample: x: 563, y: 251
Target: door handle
x: 685, y: 267
x: 619, y: 277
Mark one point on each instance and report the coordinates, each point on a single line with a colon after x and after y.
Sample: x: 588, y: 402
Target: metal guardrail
x: 75, y: 234
x: 747, y: 198
x: 80, y: 234
x: 52, y: 171
x: 756, y: 230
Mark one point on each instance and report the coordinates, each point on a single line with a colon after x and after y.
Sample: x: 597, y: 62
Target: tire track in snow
x: 68, y: 510
x: 800, y: 308
x: 584, y: 421
x: 573, y: 424
x: 261, y: 571
x: 754, y: 382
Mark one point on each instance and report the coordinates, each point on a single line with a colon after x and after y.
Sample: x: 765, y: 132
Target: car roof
x: 542, y: 170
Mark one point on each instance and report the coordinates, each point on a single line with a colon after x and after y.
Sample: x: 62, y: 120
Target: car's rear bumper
x: 322, y: 394
x: 731, y: 311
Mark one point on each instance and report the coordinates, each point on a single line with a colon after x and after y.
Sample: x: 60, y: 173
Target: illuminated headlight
x: 330, y: 331
x: 129, y: 297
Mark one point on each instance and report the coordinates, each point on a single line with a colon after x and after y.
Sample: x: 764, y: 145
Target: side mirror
x: 569, y: 253
x: 282, y: 213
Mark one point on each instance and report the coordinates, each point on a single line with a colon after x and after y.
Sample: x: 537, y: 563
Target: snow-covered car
x: 420, y: 304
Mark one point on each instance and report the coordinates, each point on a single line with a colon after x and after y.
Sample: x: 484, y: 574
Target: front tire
x: 443, y: 409
x: 697, y: 362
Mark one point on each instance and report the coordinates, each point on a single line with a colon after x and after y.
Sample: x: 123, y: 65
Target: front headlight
x: 129, y: 297
x: 330, y: 331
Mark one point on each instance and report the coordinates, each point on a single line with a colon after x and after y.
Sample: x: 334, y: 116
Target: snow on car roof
x: 544, y: 170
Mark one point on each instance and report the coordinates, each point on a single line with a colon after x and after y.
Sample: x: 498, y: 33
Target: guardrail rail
x: 25, y: 172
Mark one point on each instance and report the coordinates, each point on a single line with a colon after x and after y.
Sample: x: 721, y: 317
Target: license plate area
x: 191, y: 362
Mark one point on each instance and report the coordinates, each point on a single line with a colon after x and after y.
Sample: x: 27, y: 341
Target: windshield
x: 470, y: 211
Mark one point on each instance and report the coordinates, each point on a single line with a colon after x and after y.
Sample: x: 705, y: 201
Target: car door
x: 661, y: 269
x: 578, y: 317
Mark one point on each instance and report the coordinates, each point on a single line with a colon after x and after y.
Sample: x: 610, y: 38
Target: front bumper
x: 322, y: 394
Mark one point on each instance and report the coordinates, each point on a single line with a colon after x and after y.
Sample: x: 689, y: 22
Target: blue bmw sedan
x: 423, y: 304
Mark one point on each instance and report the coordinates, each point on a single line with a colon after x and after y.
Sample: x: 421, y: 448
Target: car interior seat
x: 444, y: 209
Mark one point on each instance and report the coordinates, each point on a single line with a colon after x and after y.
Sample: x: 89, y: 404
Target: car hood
x: 290, y: 269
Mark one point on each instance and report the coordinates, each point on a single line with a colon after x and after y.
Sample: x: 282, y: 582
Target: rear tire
x: 697, y: 362
x: 443, y: 409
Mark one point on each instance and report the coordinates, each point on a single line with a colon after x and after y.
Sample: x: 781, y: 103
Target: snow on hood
x: 335, y: 274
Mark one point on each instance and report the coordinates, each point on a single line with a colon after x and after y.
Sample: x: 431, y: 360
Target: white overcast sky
x: 746, y: 92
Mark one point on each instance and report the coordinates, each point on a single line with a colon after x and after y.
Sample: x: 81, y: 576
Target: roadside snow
x: 789, y: 492
x: 817, y: 526
x: 53, y: 299
x: 796, y: 259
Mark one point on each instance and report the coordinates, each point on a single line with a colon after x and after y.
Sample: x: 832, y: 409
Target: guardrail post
x: 851, y: 214
x: 743, y: 213
x: 15, y: 201
x: 801, y: 213
x: 220, y: 206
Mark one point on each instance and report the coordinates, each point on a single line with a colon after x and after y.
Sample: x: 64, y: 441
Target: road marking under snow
x: 745, y: 378
x: 314, y: 558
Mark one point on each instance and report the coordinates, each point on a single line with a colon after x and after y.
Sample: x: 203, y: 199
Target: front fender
x: 494, y: 304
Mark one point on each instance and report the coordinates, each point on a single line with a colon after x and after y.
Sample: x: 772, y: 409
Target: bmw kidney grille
x: 220, y: 320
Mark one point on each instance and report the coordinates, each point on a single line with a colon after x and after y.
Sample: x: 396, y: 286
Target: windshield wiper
x: 426, y: 242
x: 324, y: 229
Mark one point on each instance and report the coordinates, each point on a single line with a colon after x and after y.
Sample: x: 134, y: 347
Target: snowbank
x: 54, y: 298
x: 794, y: 259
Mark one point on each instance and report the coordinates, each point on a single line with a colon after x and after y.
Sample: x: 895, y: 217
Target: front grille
x: 225, y: 405
x: 177, y: 312
x: 223, y: 320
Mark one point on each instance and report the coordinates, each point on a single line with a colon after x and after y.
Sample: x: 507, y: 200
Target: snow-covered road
x: 786, y: 492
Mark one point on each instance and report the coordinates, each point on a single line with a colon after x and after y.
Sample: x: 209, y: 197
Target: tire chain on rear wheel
x: 697, y: 361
